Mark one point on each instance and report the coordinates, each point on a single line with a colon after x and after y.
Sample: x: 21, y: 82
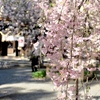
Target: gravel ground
x: 17, y: 84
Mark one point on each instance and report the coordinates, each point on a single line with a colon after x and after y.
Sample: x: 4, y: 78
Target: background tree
x: 21, y: 16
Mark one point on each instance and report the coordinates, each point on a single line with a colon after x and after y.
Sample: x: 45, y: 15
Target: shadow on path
x: 17, y: 75
x: 20, y: 85
x: 33, y: 95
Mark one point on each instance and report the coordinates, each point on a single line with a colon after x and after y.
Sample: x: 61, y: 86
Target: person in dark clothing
x: 34, y: 56
x: 36, y: 53
x: 34, y: 63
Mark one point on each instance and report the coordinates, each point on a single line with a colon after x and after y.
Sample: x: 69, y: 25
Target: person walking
x: 36, y: 53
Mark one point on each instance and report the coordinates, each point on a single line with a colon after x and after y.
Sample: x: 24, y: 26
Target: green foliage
x: 39, y: 74
x: 86, y: 72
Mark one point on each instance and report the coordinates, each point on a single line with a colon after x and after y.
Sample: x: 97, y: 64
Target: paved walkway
x: 17, y: 84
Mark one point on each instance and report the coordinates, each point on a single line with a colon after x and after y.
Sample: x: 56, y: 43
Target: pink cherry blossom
x: 73, y: 37
x: 91, y: 69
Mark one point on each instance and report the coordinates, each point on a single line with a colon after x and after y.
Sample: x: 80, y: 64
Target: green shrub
x: 39, y: 74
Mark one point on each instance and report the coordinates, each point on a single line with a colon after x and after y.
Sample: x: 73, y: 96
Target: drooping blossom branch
x: 69, y: 41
